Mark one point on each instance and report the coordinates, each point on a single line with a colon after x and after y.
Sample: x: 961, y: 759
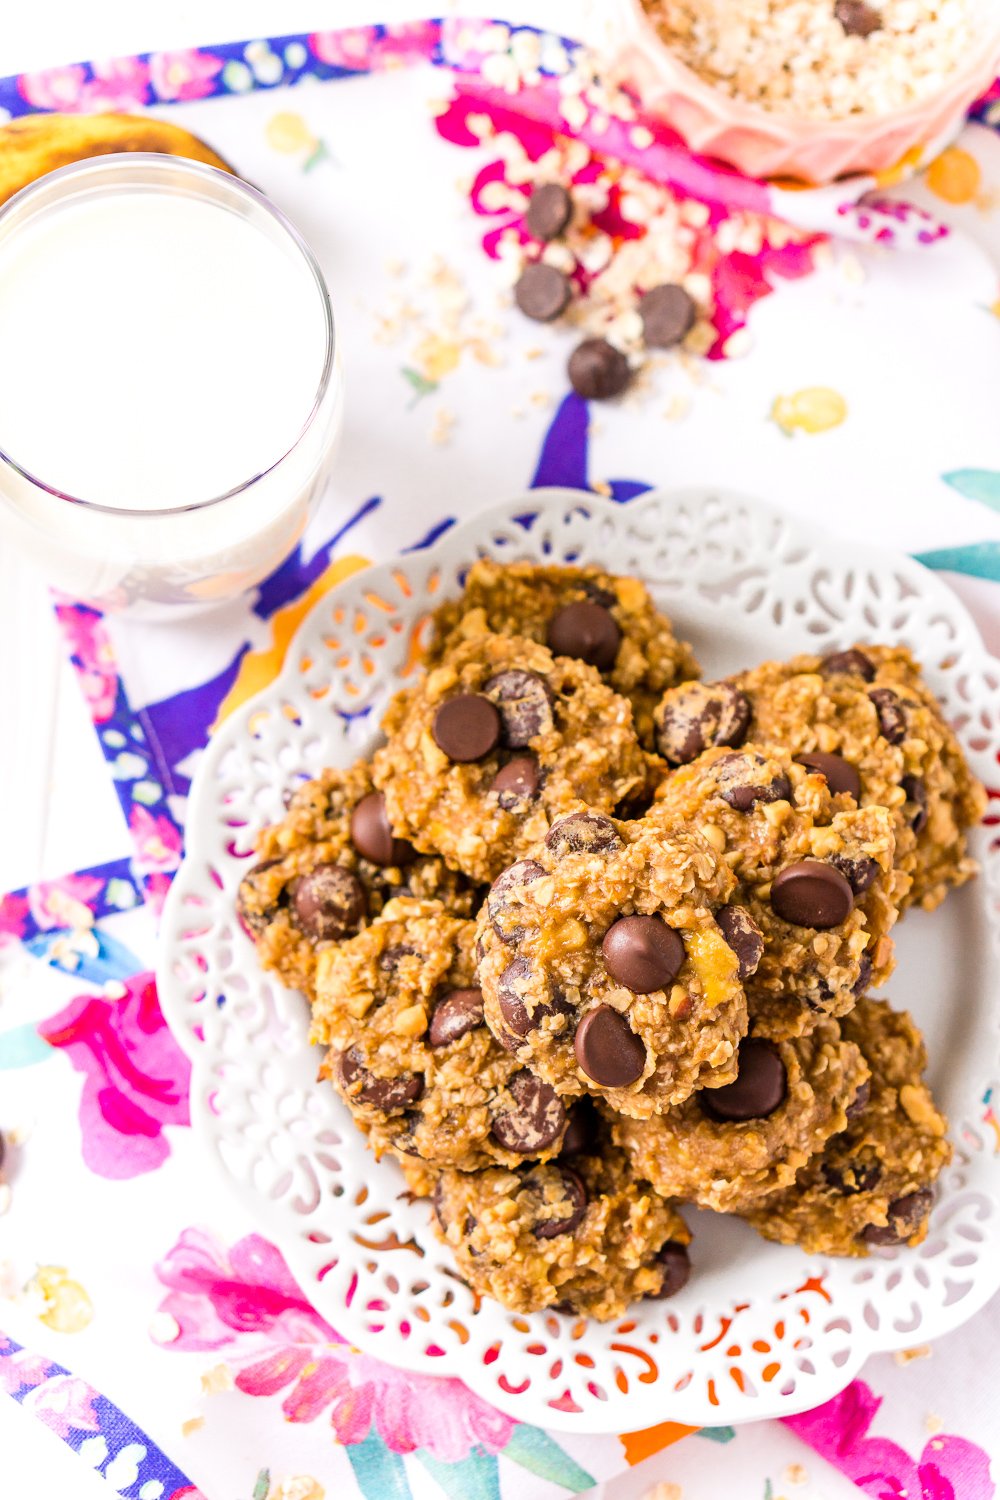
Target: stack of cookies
x: 588, y: 939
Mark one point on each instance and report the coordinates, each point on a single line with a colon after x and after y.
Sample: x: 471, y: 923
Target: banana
x: 32, y: 145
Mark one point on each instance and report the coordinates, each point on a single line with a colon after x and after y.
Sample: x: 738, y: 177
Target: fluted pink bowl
x: 764, y: 143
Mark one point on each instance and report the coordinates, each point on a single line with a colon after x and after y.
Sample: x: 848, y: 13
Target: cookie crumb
x: 795, y: 1474
x: 192, y: 1424
x: 297, y: 1487
x: 218, y: 1378
x: 444, y: 421
x: 907, y: 1356
x: 933, y: 1424
x: 664, y: 1491
x: 601, y: 487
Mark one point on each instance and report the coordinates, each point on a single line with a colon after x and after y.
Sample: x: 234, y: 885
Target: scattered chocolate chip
x: 668, y: 313
x: 574, y: 1193
x: 467, y: 727
x: 583, y: 832
x: 643, y: 953
x: 598, y: 595
x: 607, y: 1048
x: 535, y: 1119
x: 697, y: 715
x: 891, y: 714
x: 549, y: 210
x: 329, y: 903
x: 597, y: 370
x: 542, y: 292
x: 517, y: 1018
x: 859, y: 1103
x: 906, y: 1215
x: 860, y: 870
x: 676, y: 1264
x: 516, y: 784
x: 811, y: 893
x: 587, y: 632
x: 387, y: 1094
x: 759, y: 1088
x: 251, y: 920
x: 391, y: 957
x: 855, y: 1177
x: 455, y: 1016
x: 744, y: 780
x: 864, y: 978
x: 916, y: 793
x: 498, y: 905
x: 583, y: 1130
x: 854, y: 663
x: 744, y: 937
x: 525, y: 703
x: 840, y: 775
x: 857, y: 18
x: 372, y: 836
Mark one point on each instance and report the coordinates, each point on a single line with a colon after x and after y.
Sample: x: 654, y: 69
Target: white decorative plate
x: 761, y: 1330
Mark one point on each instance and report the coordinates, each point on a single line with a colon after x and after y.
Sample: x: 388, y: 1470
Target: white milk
x: 158, y: 349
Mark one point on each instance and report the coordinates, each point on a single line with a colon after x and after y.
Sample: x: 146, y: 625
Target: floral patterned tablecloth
x: 146, y: 1324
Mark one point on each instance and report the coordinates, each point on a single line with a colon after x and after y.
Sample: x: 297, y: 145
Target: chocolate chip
x: 583, y: 832
x: 859, y: 1103
x: 864, y: 978
x: 743, y: 781
x: 329, y: 903
x: 853, y: 1178
x: 250, y: 919
x: 607, y: 1048
x: 574, y: 1193
x: 514, y: 878
x: 860, y: 870
x: 518, y: 1020
x: 891, y: 714
x: 516, y: 784
x: 597, y: 370
x: 643, y: 953
x: 696, y: 715
x: 853, y: 663
x: 542, y: 292
x: 760, y: 1086
x: 668, y: 313
x: 587, y: 632
x: 916, y: 793
x: 675, y: 1263
x: 598, y: 595
x: 549, y: 210
x: 840, y: 775
x: 455, y: 1016
x: 391, y: 957
x: 437, y: 1199
x: 583, y: 1130
x: 387, y: 1094
x: 535, y: 1119
x: 525, y: 703
x: 744, y: 937
x: 372, y: 836
x: 811, y: 893
x: 857, y: 18
x: 467, y: 727
x: 906, y: 1215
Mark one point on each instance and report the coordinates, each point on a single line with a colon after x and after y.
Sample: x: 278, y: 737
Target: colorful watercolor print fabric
x: 146, y: 1323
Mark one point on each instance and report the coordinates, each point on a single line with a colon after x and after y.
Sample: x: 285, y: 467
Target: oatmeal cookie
x: 726, y: 1148
x: 399, y: 1010
x: 497, y: 741
x: 582, y: 1233
x: 871, y: 707
x: 814, y: 872
x: 873, y: 1183
x: 607, y: 621
x: 327, y: 869
x: 602, y: 965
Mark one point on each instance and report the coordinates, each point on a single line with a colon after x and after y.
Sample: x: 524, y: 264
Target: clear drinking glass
x: 200, y: 548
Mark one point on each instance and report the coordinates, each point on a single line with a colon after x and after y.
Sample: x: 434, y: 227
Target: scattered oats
x: 560, y: 256
x: 444, y: 421
x: 933, y: 1424
x: 540, y: 398
x: 114, y: 990
x: 795, y: 1474
x: 192, y: 1424
x: 701, y: 338
x: 534, y: 352
x: 574, y: 112
x: 599, y: 122
x: 164, y: 1328
x: 851, y: 268
x: 4, y: 1197
x: 299, y: 1487
x: 517, y: 412
x: 481, y: 126
x: 641, y: 137
x: 664, y: 1491
x: 17, y: 1135
x: 739, y: 343
x: 695, y: 213
x: 601, y: 487
x: 495, y: 196
x: 438, y: 107
x: 698, y: 286
x: 907, y: 1356
x: 218, y: 1378
x: 501, y: 70
x: 677, y: 408
x: 595, y: 254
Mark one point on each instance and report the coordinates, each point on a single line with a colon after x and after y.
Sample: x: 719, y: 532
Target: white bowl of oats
x: 812, y: 89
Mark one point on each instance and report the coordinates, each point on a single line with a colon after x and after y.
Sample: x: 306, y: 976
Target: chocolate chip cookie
x: 870, y: 709
x: 400, y: 1012
x: 726, y: 1148
x: 872, y: 1185
x: 327, y: 869
x: 603, y: 967
x: 607, y: 621
x: 497, y: 741
x: 814, y: 876
x: 581, y: 1233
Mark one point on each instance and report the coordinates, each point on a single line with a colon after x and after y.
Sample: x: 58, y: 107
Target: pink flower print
x: 63, y: 1402
x: 158, y: 842
x: 55, y: 88
x: 245, y: 1300
x: 407, y: 41
x: 349, y: 48
x: 22, y: 1368
x: 13, y: 916
x: 65, y: 902
x: 186, y: 74
x: 118, y: 83
x: 136, y: 1078
x: 156, y: 887
x: 93, y: 658
x: 949, y: 1468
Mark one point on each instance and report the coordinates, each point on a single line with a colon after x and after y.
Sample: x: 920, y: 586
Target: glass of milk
x: 170, y: 390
